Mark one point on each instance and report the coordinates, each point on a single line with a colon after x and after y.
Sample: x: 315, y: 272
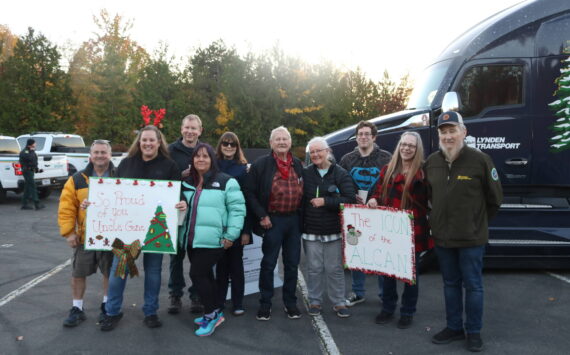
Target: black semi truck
x: 509, y: 77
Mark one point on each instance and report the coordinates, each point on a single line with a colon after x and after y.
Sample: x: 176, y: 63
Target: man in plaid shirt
x: 273, y: 192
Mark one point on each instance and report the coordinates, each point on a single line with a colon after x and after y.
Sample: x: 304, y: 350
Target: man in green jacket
x: 465, y: 192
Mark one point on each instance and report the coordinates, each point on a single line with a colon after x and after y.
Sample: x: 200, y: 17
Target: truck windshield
x: 427, y: 86
x: 9, y: 146
x: 68, y: 142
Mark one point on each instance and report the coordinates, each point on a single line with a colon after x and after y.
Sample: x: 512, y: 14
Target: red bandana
x: 283, y: 166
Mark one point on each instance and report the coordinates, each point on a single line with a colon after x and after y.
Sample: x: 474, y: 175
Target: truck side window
x: 490, y: 85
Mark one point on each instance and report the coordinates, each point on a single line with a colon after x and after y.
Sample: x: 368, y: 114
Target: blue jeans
x: 285, y: 232
x: 152, y: 268
x: 462, y: 268
x: 409, y: 296
x: 176, y: 283
x: 358, y: 281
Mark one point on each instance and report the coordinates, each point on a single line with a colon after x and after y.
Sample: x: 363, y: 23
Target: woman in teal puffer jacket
x: 216, y: 211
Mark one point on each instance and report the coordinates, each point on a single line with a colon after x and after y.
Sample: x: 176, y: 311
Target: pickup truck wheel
x: 427, y: 260
x: 2, y: 195
x: 44, y: 193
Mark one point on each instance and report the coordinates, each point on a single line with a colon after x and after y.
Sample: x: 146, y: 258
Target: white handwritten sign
x: 379, y: 241
x: 131, y: 209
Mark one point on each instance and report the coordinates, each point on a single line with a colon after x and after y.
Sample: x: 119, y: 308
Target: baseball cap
x: 449, y: 117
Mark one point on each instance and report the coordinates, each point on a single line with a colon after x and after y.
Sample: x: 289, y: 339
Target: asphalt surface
x: 526, y: 312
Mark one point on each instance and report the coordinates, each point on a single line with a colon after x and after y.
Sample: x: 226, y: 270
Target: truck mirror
x: 450, y: 102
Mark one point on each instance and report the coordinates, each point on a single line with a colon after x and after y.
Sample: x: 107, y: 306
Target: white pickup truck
x: 53, y: 169
x: 72, y: 145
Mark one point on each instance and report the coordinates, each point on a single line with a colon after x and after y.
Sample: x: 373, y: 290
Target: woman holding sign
x: 231, y: 161
x: 147, y: 158
x: 402, y: 185
x: 213, y: 222
x: 327, y: 185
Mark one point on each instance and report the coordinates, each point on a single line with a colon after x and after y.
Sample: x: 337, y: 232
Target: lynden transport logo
x: 488, y: 143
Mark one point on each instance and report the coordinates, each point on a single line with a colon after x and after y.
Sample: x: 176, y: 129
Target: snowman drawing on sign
x: 352, y: 235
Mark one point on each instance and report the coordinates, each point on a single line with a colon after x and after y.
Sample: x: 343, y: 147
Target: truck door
x: 495, y: 96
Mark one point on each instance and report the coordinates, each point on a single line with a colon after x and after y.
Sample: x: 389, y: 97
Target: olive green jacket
x: 464, y: 195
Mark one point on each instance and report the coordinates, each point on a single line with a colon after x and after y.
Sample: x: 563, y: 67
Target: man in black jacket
x: 181, y: 152
x: 274, y: 189
x: 29, y: 163
x: 465, y: 192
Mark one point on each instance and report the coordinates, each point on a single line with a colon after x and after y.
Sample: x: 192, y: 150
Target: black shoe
x: 75, y: 317
x: 175, y: 305
x: 384, y: 317
x: 152, y: 321
x: 292, y: 312
x: 405, y: 322
x: 27, y: 207
x: 353, y: 299
x: 103, y: 313
x: 196, y: 307
x: 39, y: 206
x: 474, y: 342
x: 264, y: 313
x: 110, y: 322
x: 447, y: 336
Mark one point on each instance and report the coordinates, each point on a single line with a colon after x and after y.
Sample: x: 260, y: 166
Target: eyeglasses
x: 317, y: 151
x: 364, y: 134
x: 229, y: 144
x: 406, y: 145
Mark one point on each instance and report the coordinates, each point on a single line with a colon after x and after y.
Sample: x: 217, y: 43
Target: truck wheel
x: 427, y: 260
x: 2, y: 195
x: 44, y: 193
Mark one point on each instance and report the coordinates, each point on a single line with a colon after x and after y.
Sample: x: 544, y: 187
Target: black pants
x: 229, y: 267
x: 202, y: 261
x: 30, y: 189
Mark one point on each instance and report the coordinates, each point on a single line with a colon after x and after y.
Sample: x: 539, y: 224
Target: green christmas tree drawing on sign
x: 158, y: 236
x: 561, y: 108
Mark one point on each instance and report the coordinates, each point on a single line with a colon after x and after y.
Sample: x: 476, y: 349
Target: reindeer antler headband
x: 147, y: 113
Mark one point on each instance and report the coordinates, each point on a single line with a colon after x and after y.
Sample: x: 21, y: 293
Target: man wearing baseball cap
x: 465, y: 192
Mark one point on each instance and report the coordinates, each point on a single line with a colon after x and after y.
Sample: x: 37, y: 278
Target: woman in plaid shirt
x: 402, y: 185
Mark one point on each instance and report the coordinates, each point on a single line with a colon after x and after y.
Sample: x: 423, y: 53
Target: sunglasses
x: 229, y: 144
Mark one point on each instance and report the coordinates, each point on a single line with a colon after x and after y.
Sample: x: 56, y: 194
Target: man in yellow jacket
x: 71, y: 219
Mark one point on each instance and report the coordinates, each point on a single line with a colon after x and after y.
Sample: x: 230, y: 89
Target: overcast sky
x: 398, y: 35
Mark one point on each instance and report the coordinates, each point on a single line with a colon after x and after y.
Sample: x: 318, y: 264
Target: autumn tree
x: 7, y: 44
x: 104, y: 72
x: 34, y: 91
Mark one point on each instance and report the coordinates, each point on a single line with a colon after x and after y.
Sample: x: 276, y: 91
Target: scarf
x: 283, y: 166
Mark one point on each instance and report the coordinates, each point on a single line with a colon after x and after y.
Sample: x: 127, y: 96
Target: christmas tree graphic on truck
x: 561, y: 108
x: 158, y: 236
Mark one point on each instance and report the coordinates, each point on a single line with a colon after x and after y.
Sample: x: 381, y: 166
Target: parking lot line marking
x: 327, y: 342
x: 559, y: 277
x: 32, y: 283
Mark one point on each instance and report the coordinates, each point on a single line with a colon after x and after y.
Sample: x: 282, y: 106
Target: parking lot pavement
x: 526, y: 312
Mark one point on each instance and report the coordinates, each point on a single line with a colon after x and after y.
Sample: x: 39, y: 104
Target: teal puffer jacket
x: 220, y: 212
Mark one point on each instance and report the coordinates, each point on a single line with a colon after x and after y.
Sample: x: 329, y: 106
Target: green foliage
x: 34, y: 92
x: 105, y: 71
x: 111, y: 77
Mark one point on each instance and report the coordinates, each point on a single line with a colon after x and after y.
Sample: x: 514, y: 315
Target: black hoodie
x: 181, y: 154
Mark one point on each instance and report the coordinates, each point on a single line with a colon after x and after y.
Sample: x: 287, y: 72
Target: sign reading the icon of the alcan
x: 487, y: 143
x: 379, y: 241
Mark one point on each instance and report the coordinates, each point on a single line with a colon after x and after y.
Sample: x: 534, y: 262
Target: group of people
x: 452, y: 195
